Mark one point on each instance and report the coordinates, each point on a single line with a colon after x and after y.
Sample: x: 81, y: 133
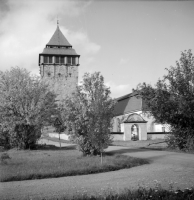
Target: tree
x: 26, y: 105
x: 88, y: 114
x: 171, y: 101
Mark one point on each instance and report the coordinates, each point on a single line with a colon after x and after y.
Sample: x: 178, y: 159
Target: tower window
x: 50, y: 59
x: 73, y: 60
x: 63, y: 60
x: 57, y: 59
x: 68, y: 60
x: 45, y: 59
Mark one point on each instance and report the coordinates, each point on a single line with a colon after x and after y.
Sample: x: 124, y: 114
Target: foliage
x: 171, y: 101
x: 139, y: 194
x: 4, y: 157
x: 181, y: 139
x: 88, y: 114
x: 26, y: 104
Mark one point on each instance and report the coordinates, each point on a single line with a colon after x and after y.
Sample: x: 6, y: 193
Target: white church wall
x: 56, y: 135
x: 117, y: 137
x: 153, y: 136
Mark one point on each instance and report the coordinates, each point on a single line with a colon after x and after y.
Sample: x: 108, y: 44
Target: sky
x: 129, y: 42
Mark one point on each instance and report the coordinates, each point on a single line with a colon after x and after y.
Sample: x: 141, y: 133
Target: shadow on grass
x: 150, y: 156
x: 122, y: 151
x: 55, y: 148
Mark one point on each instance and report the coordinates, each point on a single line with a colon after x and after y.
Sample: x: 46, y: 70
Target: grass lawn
x: 53, y: 162
x: 158, y: 144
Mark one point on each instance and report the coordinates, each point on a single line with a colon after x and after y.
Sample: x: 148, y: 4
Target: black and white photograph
x: 97, y: 99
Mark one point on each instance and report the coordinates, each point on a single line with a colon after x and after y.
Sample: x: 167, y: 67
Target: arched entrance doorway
x: 134, y: 132
x: 135, y: 127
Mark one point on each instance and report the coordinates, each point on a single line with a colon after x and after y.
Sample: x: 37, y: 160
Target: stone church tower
x: 59, y: 65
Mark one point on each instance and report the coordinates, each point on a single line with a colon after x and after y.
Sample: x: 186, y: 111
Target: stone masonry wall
x: 61, y: 79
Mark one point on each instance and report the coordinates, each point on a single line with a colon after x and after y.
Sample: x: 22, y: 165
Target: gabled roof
x: 58, y: 39
x: 129, y: 103
x: 126, y: 96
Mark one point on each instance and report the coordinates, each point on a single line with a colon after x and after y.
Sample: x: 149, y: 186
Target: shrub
x: 5, y: 139
x: 181, y: 139
x: 88, y: 115
x: 140, y: 194
x: 26, y: 105
x: 4, y: 158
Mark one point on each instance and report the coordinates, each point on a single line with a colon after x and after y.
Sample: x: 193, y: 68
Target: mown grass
x: 141, y: 194
x: 159, y: 143
x: 38, y: 164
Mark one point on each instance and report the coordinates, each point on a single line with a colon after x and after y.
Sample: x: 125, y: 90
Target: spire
x: 57, y: 22
x: 58, y: 39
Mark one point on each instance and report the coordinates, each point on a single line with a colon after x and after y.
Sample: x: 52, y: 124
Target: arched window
x: 134, y: 132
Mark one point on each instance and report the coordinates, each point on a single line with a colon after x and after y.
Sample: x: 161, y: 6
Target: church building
x: 130, y: 122
x: 59, y: 65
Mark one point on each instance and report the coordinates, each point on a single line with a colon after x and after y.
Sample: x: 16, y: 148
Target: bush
x: 4, y: 158
x: 27, y: 136
x: 141, y: 194
x: 181, y: 139
x: 5, y: 139
x: 88, y: 114
x: 26, y: 105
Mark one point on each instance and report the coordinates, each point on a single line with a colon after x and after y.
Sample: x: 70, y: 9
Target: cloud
x: 26, y: 27
x: 119, y: 90
x: 83, y: 46
x: 123, y: 61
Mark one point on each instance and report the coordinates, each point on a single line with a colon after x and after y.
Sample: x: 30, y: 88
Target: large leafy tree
x: 172, y: 100
x: 26, y: 105
x: 88, y: 114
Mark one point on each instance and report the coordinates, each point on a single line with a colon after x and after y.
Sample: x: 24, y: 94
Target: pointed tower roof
x: 58, y: 46
x: 58, y: 39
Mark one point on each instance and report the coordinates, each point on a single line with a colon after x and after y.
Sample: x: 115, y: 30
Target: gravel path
x: 166, y: 167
